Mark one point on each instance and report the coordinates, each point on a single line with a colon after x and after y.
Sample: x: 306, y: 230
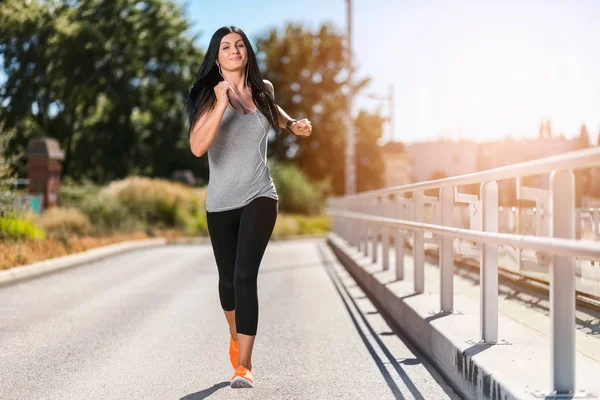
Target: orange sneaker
x: 234, y: 352
x: 242, y: 378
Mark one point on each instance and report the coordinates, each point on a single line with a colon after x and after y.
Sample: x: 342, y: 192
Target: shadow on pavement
x: 206, y: 392
x: 390, y: 359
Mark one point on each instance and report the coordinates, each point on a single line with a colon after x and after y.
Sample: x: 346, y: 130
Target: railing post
x: 341, y: 222
x: 347, y: 224
x: 331, y: 203
x: 418, y: 248
x: 374, y: 242
x: 400, y: 213
x: 562, y: 284
x: 363, y: 229
x: 385, y: 237
x: 355, y: 232
x: 399, y: 243
x: 446, y: 253
x: 596, y: 223
x: 488, y: 269
x: 366, y: 243
x: 359, y: 227
x: 518, y: 226
x: 374, y: 230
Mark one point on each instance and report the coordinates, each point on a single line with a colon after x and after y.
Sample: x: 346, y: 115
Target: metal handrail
x: 364, y: 222
x: 556, y: 246
x: 578, y: 159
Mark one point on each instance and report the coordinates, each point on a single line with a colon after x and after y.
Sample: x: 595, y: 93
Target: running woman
x: 231, y: 109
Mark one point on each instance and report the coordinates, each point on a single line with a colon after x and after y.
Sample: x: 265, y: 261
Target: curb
x: 206, y: 239
x: 30, y: 271
x: 189, y: 240
x: 299, y: 237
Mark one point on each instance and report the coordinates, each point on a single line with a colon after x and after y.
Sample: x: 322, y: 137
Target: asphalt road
x: 147, y: 324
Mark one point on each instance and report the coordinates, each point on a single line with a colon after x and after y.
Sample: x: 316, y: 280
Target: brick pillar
x: 44, y: 168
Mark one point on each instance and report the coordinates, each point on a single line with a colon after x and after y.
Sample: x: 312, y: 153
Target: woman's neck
x: 236, y: 79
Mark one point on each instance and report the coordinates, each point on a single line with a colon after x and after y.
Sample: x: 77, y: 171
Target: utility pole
x: 391, y: 112
x: 350, y: 140
x: 390, y: 103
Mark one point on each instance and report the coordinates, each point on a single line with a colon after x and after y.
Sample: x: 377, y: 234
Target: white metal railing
x: 399, y: 211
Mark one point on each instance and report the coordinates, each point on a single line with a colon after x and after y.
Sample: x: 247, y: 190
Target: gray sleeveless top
x: 237, y: 161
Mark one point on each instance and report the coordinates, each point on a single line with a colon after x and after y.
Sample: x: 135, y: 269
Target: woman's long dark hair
x: 202, y: 96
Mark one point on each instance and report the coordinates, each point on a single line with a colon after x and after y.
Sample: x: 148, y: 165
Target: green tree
x: 369, y: 162
x: 308, y: 71
x: 7, y: 174
x: 105, y: 78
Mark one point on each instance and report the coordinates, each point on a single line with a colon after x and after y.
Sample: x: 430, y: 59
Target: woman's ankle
x: 246, y: 365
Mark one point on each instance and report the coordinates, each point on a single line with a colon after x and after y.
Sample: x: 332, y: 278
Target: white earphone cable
x: 264, y: 159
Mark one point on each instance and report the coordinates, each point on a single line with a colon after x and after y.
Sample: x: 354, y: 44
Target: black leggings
x: 239, y: 238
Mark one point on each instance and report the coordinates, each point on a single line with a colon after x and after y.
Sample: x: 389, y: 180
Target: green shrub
x: 16, y: 228
x: 7, y: 173
x: 108, y: 214
x: 285, y: 225
x: 296, y: 193
x: 73, y: 193
x: 138, y: 203
x: 313, y: 225
x: 192, y: 220
x: 153, y: 201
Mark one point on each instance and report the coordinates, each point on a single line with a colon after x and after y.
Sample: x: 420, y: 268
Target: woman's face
x: 232, y: 52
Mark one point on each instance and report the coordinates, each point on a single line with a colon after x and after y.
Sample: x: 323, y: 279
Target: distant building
x: 454, y: 158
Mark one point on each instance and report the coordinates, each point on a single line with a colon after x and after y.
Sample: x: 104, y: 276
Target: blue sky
x: 475, y: 69
x: 471, y: 69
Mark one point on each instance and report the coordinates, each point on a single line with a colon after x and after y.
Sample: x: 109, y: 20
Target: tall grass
x: 144, y: 203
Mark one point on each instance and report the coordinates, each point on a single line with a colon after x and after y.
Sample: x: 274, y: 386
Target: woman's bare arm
x: 284, y: 117
x: 204, y: 130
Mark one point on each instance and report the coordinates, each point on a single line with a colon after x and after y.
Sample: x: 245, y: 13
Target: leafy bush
x: 293, y: 225
x: 313, y: 225
x: 7, y: 174
x: 64, y: 221
x: 285, y: 225
x: 73, y: 193
x: 192, y: 220
x: 108, y: 214
x: 16, y: 228
x: 154, y: 201
x: 296, y: 193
